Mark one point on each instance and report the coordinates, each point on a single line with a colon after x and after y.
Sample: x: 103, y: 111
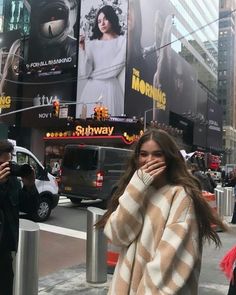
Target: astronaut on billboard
x: 52, y: 40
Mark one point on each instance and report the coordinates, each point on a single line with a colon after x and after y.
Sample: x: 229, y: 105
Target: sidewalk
x: 72, y: 281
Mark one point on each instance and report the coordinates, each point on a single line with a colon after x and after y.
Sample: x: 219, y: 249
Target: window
x: 116, y: 159
x: 23, y: 158
x: 80, y: 159
x: 222, y: 3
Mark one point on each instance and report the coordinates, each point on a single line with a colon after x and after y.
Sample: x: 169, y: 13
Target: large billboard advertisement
x: 200, y: 119
x: 50, y: 58
x: 53, y: 37
x: 102, y: 56
x: 9, y: 71
x: 214, y: 130
x: 157, y: 77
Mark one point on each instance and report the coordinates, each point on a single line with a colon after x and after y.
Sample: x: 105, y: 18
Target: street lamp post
x: 145, y: 117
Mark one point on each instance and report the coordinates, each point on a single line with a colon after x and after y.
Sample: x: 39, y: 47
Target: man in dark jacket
x: 204, y: 180
x: 10, y: 193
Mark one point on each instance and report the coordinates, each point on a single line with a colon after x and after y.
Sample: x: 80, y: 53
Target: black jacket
x: 10, y: 194
x: 204, y: 181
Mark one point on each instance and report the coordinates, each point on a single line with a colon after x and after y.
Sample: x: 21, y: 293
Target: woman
x: 160, y: 220
x: 101, y: 60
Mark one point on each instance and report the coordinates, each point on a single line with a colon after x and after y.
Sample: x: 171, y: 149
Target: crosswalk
x: 65, y: 202
x: 208, y: 288
x: 63, y: 231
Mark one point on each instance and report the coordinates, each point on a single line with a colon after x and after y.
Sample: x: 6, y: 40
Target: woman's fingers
x: 152, y: 165
x: 157, y: 171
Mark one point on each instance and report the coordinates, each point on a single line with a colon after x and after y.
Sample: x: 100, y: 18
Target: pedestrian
x: 232, y: 182
x: 203, y: 178
x: 212, y: 182
x: 160, y: 220
x: 233, y: 220
x: 11, y: 192
x: 228, y: 266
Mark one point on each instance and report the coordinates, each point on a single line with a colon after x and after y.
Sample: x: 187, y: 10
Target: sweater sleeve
x: 125, y: 222
x: 177, y: 254
x: 86, y: 65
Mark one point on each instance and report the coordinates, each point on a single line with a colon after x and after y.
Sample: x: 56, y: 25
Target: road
x: 64, y: 236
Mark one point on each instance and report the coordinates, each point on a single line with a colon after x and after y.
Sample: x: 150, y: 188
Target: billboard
x: 214, y: 128
x: 50, y: 60
x: 102, y: 56
x: 53, y: 37
x: 200, y: 118
x: 9, y: 69
x: 157, y: 77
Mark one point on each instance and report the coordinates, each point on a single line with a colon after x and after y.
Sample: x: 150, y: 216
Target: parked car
x: 46, y: 185
x: 91, y: 172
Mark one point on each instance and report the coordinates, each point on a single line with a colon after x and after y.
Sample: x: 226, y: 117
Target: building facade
x: 168, y: 77
x: 227, y: 76
x: 196, y: 22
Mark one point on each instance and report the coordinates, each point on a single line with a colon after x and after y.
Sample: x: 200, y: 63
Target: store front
x: 119, y: 133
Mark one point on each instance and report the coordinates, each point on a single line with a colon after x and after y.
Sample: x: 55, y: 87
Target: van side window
x: 115, y: 160
x: 23, y: 158
x: 82, y: 159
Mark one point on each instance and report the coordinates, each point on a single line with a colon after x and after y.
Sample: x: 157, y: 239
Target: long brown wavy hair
x: 177, y: 174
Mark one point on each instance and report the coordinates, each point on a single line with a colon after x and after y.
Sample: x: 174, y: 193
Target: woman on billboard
x: 102, y: 59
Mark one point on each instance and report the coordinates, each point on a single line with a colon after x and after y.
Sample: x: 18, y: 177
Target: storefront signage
x: 5, y: 102
x: 98, y: 130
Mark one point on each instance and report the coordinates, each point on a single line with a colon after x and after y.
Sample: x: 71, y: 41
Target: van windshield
x: 79, y: 159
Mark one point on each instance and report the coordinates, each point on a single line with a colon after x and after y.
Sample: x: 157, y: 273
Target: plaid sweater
x: 158, y: 235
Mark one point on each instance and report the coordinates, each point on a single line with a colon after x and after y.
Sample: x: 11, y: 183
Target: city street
x: 62, y: 255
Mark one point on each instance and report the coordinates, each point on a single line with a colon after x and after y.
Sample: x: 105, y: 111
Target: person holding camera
x: 11, y: 192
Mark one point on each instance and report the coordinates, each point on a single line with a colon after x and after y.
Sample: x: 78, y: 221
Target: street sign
x: 63, y: 113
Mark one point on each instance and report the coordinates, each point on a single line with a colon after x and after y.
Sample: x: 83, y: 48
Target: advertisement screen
x: 214, y: 130
x: 200, y: 117
x: 157, y: 77
x: 10, y: 46
x: 50, y: 69
x: 102, y: 56
x: 53, y: 37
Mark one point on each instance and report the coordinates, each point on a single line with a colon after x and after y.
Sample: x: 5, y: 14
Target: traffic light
x: 55, y: 108
x: 97, y: 114
x: 101, y: 113
x: 105, y: 113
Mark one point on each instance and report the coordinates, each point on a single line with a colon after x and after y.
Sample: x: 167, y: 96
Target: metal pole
x: 63, y: 103
x: 219, y: 201
x: 228, y: 197
x: 145, y: 118
x: 96, y: 248
x: 26, y: 274
x: 145, y: 121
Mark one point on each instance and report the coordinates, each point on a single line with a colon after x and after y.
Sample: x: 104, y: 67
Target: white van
x: 46, y: 184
